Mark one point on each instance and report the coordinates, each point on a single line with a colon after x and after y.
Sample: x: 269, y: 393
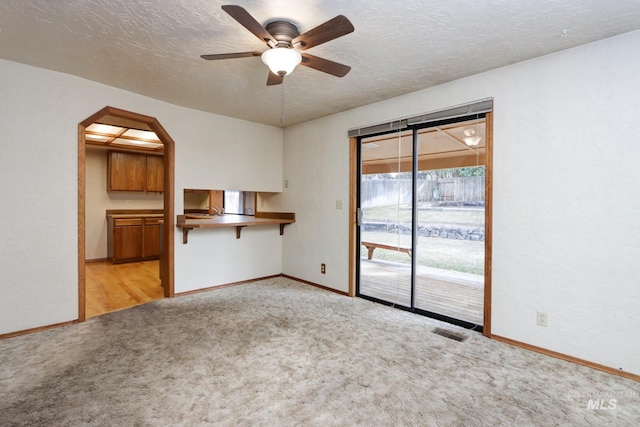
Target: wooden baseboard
x: 316, y: 285
x: 244, y: 282
x: 38, y: 329
x: 568, y: 358
x: 226, y: 285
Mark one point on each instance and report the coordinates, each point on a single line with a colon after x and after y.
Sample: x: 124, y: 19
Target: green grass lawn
x: 465, y: 256
x: 462, y: 216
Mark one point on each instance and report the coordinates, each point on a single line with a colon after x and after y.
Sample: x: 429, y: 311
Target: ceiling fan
x: 284, y: 40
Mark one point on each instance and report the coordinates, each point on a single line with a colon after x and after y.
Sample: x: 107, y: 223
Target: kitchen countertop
x: 134, y: 213
x: 139, y: 215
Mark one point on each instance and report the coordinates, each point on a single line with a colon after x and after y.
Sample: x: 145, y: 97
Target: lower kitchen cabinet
x: 133, y: 239
x: 127, y: 240
x: 151, y: 238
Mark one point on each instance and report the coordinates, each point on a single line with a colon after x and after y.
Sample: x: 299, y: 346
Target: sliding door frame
x: 354, y: 249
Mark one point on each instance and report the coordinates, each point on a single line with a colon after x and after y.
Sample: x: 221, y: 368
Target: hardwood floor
x: 111, y: 287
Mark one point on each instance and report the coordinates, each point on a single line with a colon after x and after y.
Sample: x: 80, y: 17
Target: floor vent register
x: 450, y: 334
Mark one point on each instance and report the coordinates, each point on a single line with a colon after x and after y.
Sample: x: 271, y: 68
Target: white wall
x: 98, y: 200
x: 39, y: 116
x: 215, y: 152
x: 566, y: 196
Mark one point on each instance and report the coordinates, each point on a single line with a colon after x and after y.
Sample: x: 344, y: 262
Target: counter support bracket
x: 185, y: 233
x: 238, y: 230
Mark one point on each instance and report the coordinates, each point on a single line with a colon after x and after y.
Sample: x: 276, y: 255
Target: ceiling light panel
x: 136, y: 143
x: 97, y: 138
x: 104, y: 129
x: 141, y: 135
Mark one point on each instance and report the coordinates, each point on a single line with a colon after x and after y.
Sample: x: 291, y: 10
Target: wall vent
x: 450, y: 334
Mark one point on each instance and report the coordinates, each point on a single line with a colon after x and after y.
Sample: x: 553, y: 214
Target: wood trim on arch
x: 169, y: 198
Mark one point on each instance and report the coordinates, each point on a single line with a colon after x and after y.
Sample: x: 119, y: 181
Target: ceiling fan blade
x: 274, y: 79
x: 324, y: 65
x: 332, y: 29
x: 246, y: 20
x: 230, y: 55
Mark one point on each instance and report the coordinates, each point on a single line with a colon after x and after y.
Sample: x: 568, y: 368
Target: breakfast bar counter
x: 190, y: 222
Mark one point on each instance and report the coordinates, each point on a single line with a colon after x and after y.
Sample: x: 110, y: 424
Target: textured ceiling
x: 154, y: 47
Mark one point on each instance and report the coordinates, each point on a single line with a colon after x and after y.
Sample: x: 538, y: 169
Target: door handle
x: 359, y: 217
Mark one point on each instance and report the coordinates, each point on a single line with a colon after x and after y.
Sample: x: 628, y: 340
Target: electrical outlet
x: 323, y: 268
x: 286, y: 183
x: 338, y: 204
x: 542, y: 318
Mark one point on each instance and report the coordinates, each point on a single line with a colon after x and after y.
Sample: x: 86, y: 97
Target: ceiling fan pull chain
x: 282, y: 104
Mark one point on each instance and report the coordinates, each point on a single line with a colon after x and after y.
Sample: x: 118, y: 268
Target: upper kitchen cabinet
x: 155, y: 174
x: 126, y: 171
x: 134, y: 172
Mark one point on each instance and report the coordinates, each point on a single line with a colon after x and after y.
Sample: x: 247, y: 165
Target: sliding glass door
x: 451, y: 220
x: 422, y: 219
x: 386, y: 211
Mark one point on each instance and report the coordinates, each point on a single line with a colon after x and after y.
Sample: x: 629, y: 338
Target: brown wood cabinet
x: 151, y: 238
x: 133, y: 239
x: 127, y: 240
x: 134, y: 172
x: 155, y: 174
x: 126, y: 171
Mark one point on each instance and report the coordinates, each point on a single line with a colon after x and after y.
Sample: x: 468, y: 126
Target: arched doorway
x: 167, y: 271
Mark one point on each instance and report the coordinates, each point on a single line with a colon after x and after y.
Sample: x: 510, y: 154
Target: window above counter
x: 216, y: 202
x: 224, y: 209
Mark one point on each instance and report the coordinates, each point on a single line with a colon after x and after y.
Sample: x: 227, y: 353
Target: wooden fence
x: 384, y: 192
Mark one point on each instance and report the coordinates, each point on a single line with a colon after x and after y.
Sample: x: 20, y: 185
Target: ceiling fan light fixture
x: 281, y: 60
x: 470, y: 137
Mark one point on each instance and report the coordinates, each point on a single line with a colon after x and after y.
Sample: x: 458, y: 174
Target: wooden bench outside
x: 371, y: 246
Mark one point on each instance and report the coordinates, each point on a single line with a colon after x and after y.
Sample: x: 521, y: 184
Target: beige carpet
x: 278, y: 352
